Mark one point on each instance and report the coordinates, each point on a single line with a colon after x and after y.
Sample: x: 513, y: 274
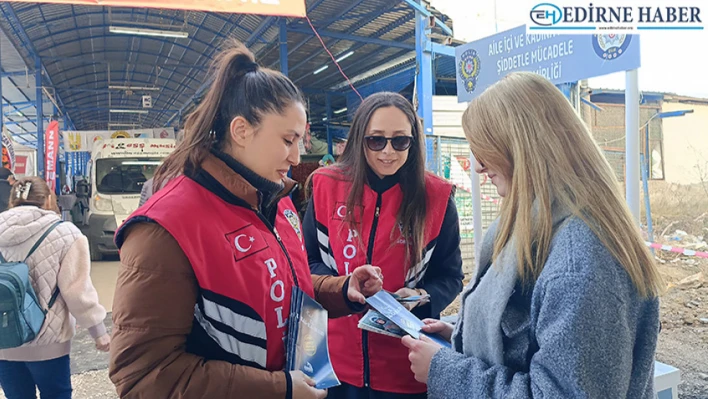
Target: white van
x: 118, y: 170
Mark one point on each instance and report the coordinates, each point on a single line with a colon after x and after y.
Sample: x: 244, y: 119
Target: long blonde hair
x: 525, y: 128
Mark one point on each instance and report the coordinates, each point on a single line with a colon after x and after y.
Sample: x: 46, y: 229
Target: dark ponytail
x: 240, y: 88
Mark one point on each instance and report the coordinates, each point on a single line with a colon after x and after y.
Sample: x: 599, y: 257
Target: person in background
x: 209, y: 262
x: 564, y: 299
x: 61, y: 261
x: 7, y: 179
x: 378, y: 206
x: 54, y: 203
x: 146, y: 192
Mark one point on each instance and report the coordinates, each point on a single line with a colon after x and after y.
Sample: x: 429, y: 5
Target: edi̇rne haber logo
x: 595, y: 17
x: 469, y: 69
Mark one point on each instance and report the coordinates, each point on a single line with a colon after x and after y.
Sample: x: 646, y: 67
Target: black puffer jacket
x: 5, y: 188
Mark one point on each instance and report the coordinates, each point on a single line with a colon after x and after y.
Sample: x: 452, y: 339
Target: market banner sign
x: 75, y: 141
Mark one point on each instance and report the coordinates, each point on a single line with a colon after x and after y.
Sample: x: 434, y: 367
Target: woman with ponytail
x: 209, y: 262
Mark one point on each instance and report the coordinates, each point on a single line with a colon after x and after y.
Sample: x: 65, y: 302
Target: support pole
x: 328, y: 105
x: 283, y: 34
x: 40, y: 117
x: 476, y: 209
x: 632, y: 179
x: 647, y: 202
x: 424, y: 79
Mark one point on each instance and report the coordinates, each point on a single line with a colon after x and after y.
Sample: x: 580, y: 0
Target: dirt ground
x: 680, y: 219
x: 680, y: 215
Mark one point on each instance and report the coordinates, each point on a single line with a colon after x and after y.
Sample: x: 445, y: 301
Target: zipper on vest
x: 369, y: 255
x: 282, y: 246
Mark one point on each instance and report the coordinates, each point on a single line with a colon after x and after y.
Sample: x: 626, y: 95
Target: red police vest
x: 361, y: 358
x: 245, y: 271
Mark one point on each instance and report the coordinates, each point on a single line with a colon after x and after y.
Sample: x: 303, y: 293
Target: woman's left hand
x: 405, y: 293
x: 420, y: 354
x: 408, y: 292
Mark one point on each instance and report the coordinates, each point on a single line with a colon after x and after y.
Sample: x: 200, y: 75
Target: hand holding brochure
x: 394, y: 313
x: 307, y: 349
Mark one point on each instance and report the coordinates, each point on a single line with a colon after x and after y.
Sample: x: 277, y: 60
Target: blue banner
x: 559, y: 58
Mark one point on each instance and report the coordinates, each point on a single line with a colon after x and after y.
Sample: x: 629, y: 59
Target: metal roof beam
x: 360, y: 39
x: 14, y: 123
x: 90, y: 61
x: 414, y: 4
x: 173, y: 99
x: 391, y: 74
x: 206, y: 84
x: 26, y: 142
x: 356, y: 72
x: 23, y: 95
x: 262, y: 28
x: 325, y: 24
x: 352, y: 29
x: 185, y: 78
x: 401, y: 20
x: 15, y: 73
x: 441, y: 49
x: 9, y: 13
x: 104, y: 91
x: 148, y: 110
x: 15, y: 104
x: 369, y: 15
x: 93, y: 99
x: 55, y: 46
x: 21, y: 135
x: 266, y: 24
x: 63, y: 17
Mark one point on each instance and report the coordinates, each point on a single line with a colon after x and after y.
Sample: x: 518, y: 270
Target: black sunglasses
x: 378, y: 143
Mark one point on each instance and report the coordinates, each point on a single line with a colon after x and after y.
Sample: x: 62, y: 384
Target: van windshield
x: 124, y: 175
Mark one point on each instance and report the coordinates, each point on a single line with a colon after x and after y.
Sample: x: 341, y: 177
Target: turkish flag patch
x: 340, y: 212
x: 246, y: 241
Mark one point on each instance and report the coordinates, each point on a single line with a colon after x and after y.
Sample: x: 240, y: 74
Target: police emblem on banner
x: 468, y: 69
x: 294, y: 221
x: 120, y: 135
x: 610, y: 47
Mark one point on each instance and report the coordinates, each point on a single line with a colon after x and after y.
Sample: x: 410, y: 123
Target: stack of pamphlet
x: 307, y: 349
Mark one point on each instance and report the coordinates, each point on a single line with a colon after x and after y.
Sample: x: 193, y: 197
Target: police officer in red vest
x: 378, y: 206
x: 208, y: 264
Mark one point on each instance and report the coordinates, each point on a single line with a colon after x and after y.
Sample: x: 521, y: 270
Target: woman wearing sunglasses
x: 378, y: 206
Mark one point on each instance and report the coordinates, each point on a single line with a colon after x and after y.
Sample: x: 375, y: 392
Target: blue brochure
x: 307, y: 349
x: 376, y: 322
x: 392, y: 310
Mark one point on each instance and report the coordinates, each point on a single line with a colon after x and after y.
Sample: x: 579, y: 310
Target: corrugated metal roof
x: 82, y: 58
